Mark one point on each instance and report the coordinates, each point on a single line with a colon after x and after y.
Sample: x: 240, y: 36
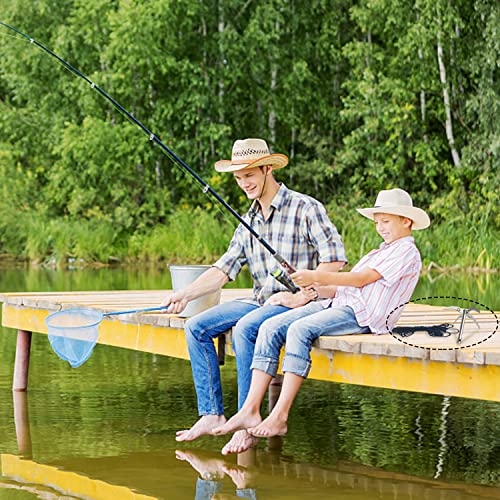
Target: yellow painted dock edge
x: 69, y: 483
x: 407, y: 374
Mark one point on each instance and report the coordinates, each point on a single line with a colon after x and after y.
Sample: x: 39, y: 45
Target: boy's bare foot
x: 241, y: 477
x: 204, y: 426
x: 240, y: 442
x: 242, y: 420
x: 271, y: 426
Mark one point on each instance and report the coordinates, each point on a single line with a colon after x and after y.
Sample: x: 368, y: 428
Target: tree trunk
x: 447, y: 108
x: 369, y: 42
x: 272, y: 113
x: 221, y: 85
x: 422, y: 93
x: 423, y: 100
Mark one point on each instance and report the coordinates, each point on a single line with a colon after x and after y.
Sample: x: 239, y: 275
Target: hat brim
x: 420, y: 219
x: 276, y: 160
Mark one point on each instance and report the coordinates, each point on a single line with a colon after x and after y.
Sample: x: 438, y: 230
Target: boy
x: 381, y: 281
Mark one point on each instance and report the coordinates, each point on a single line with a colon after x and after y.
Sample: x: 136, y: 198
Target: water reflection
x: 443, y: 446
x: 114, y: 420
x: 354, y: 442
x: 26, y: 278
x: 22, y: 424
x: 482, y: 288
x: 212, y: 469
x: 203, y: 475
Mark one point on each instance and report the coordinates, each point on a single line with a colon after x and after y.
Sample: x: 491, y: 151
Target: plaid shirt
x: 298, y: 228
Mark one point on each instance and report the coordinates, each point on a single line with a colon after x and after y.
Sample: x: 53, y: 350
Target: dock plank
x: 377, y: 360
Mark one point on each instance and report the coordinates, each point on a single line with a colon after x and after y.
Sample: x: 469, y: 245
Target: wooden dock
x: 372, y: 360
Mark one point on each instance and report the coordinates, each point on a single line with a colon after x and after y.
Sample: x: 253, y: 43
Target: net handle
x: 147, y: 309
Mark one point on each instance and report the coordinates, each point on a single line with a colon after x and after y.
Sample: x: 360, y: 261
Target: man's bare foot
x: 242, y: 420
x: 271, y: 426
x: 240, y: 442
x: 208, y: 467
x: 204, y: 426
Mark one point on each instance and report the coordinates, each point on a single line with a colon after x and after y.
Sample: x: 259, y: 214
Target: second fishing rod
x: 281, y: 274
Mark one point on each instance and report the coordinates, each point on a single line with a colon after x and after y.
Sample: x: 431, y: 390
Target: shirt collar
x: 397, y: 242
x: 277, y: 203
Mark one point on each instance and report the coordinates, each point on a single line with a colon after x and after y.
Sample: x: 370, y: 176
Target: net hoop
x: 73, y: 334
x: 56, y: 321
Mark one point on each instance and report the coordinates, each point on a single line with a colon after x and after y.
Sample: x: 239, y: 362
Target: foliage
x: 352, y: 91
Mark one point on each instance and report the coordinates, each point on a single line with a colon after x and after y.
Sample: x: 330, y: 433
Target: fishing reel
x: 281, y: 276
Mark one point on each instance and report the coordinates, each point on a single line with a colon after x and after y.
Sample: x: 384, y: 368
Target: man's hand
x: 291, y: 300
x: 176, y: 302
x: 311, y: 292
x: 210, y: 281
x: 304, y: 277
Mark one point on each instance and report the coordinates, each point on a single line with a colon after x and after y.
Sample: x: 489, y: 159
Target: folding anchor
x: 462, y: 315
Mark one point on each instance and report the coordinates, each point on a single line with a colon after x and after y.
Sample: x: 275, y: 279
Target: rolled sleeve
x: 234, y: 259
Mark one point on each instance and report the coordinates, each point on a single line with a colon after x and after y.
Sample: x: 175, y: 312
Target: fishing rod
x: 282, y: 275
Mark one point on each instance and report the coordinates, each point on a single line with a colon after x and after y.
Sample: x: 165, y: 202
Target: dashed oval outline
x: 442, y: 348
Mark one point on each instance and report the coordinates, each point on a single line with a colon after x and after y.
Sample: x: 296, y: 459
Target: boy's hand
x: 304, y: 277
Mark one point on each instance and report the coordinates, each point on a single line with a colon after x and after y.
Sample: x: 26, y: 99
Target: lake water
x: 112, y: 422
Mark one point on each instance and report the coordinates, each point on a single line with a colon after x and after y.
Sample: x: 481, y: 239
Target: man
x: 298, y: 228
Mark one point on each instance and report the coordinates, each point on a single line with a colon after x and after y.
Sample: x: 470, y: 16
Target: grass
x: 190, y: 236
x: 63, y: 239
x: 199, y: 237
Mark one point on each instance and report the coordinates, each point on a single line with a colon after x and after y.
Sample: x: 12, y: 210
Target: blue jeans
x: 202, y: 329
x: 205, y: 490
x: 299, y: 328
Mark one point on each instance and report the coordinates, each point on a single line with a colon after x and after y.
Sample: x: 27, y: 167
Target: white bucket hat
x: 249, y: 153
x: 397, y: 202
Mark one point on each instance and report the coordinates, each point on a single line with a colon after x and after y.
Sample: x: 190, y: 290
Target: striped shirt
x: 399, y: 264
x: 297, y: 227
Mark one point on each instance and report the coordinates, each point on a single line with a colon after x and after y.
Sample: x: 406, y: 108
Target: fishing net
x: 73, y: 334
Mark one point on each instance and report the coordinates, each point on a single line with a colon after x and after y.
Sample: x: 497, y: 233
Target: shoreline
x: 7, y: 260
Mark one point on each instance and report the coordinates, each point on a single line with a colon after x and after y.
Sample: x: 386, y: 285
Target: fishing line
x: 281, y: 275
x: 122, y: 113
x: 191, y: 181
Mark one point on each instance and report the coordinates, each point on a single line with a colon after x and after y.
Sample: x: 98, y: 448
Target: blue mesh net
x: 73, y: 334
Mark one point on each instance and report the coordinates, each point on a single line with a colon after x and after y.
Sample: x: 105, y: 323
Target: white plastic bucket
x: 185, y: 275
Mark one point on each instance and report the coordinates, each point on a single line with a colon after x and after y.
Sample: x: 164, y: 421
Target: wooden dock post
x: 275, y: 443
x: 221, y: 349
x: 22, y: 423
x: 22, y: 362
x: 275, y: 391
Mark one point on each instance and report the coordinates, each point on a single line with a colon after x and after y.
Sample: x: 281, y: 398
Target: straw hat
x: 397, y: 202
x: 249, y: 153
